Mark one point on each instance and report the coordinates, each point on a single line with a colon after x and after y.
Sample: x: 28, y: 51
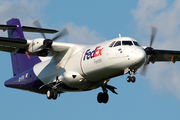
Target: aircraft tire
x: 55, y: 93
x: 105, y: 97
x: 49, y: 94
x: 133, y: 79
x: 100, y: 97
x: 129, y: 79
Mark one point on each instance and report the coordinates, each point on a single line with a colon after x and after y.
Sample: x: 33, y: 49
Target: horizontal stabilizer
x: 41, y: 30
x: 28, y: 29
x: 5, y: 27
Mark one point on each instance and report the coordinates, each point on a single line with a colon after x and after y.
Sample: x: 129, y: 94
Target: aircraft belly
x: 26, y: 81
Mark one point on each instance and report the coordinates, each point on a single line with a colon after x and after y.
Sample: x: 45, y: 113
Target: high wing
x: 16, y: 45
x: 21, y: 45
x: 165, y: 55
x: 153, y: 55
x: 13, y: 45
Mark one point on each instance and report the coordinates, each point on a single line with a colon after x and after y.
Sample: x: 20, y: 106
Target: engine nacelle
x: 36, y: 48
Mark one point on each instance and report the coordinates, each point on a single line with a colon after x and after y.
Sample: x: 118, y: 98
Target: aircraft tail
x: 20, y: 62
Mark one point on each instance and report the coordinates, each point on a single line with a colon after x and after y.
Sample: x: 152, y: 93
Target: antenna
x: 119, y: 35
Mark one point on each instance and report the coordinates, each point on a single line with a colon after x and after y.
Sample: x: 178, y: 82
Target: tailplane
x: 20, y: 62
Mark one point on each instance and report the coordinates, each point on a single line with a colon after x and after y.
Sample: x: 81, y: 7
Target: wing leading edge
x: 13, y: 45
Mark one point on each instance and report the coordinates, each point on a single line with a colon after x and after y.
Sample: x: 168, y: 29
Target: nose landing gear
x: 133, y: 78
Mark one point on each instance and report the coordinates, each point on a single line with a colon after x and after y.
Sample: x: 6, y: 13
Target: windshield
x: 112, y: 44
x: 136, y: 43
x: 118, y: 43
x: 127, y: 43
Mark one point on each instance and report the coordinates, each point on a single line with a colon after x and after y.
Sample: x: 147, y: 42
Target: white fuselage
x: 88, y: 67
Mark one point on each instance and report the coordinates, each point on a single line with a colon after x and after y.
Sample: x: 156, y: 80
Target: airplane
x: 47, y: 67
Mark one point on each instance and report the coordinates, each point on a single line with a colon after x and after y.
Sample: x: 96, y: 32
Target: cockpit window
x: 127, y: 43
x: 112, y: 44
x: 118, y: 43
x: 136, y: 43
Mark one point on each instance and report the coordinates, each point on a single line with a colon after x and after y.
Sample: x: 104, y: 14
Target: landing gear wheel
x: 102, y: 97
x: 49, y: 94
x: 129, y: 79
x: 106, y: 97
x: 133, y: 79
x: 55, y: 93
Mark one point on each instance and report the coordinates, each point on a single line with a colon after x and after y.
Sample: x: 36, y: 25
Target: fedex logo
x: 91, y: 54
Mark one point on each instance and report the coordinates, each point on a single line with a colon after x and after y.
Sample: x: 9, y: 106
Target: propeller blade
x: 144, y: 69
x: 153, y: 34
x: 64, y: 32
x: 149, y: 50
x: 37, y: 24
x: 147, y: 60
x: 27, y: 54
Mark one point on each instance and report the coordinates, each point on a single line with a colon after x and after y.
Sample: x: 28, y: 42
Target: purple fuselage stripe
x: 26, y: 81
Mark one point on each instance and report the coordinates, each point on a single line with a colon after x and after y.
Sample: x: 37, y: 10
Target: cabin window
x: 127, y: 43
x: 112, y: 44
x: 118, y: 43
x: 136, y: 43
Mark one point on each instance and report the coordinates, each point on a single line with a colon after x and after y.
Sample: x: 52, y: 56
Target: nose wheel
x: 131, y: 79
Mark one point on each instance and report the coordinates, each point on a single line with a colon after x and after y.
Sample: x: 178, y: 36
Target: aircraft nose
x: 139, y: 57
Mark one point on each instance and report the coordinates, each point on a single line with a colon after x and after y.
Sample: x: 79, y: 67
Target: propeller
x: 47, y: 43
x: 149, y: 50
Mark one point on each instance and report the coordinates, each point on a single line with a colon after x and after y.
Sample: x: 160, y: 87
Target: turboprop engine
x: 39, y: 47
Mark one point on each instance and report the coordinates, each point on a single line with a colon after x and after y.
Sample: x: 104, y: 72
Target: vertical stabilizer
x: 20, y: 62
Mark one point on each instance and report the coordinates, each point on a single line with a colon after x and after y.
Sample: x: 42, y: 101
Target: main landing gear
x: 131, y: 79
x: 103, y: 97
x: 52, y: 94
